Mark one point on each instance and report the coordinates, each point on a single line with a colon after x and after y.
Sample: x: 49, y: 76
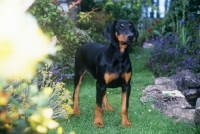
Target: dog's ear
x: 135, y: 32
x: 108, y: 32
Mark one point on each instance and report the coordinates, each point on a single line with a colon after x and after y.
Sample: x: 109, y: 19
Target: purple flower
x: 192, y: 16
x: 182, y: 22
x: 165, y: 66
x: 198, y: 28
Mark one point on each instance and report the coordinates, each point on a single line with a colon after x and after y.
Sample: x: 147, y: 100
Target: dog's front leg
x: 125, y: 104
x: 100, y: 89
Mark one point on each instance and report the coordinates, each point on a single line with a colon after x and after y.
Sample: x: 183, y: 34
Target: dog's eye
x: 121, y: 26
x: 130, y: 26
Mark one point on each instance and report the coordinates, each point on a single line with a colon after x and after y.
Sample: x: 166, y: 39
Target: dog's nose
x: 130, y: 37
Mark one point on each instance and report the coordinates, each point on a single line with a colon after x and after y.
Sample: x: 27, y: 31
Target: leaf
x: 156, y: 32
x: 29, y: 111
x: 46, y: 9
x: 163, y: 29
x: 72, y: 38
x: 54, y: 13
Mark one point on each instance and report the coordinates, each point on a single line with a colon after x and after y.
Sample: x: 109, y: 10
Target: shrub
x: 128, y: 10
x: 31, y: 101
x: 179, y: 47
x: 169, y: 55
x: 57, y: 23
x: 93, y: 23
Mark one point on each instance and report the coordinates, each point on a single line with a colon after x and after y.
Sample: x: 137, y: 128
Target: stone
x: 147, y: 45
x: 198, y: 103
x: 186, y: 79
x: 165, y: 97
x: 189, y: 84
x: 167, y: 82
x: 197, y: 116
x: 174, y: 93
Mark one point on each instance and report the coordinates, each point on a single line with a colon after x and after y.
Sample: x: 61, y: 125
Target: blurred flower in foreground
x: 22, y: 43
x: 42, y: 121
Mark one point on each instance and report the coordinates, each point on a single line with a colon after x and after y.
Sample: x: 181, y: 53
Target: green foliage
x: 87, y: 5
x: 94, y: 23
x: 128, y: 10
x: 104, y: 13
x: 57, y: 23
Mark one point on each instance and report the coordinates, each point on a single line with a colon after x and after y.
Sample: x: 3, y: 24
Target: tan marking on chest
x: 108, y: 77
x: 122, y: 47
x: 126, y: 76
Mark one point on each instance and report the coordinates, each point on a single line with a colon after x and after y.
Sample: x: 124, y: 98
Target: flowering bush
x: 38, y: 101
x: 55, y: 22
x: 176, y: 50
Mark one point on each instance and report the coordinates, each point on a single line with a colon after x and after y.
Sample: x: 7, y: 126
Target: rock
x: 197, y: 116
x: 197, y: 113
x: 189, y: 84
x: 198, y: 103
x: 168, y: 83
x: 172, y: 104
x: 174, y: 93
x: 186, y: 79
x: 147, y: 45
x: 191, y: 96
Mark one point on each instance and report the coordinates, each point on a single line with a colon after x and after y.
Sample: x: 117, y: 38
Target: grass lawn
x: 145, y: 120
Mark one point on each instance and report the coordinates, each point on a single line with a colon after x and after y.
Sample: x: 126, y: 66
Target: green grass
x: 145, y: 120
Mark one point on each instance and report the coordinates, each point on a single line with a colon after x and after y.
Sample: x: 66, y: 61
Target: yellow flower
x: 72, y: 132
x: 67, y: 92
x: 4, y: 98
x: 51, y: 124
x: 23, y: 96
x: 35, y: 118
x: 12, y: 107
x: 60, y: 130
x: 14, y: 115
x: 63, y: 98
x: 8, y: 126
x: 68, y: 108
x: 59, y: 85
x: 41, y: 129
x: 42, y: 121
x: 70, y: 101
x: 22, y: 43
x: 47, y: 90
x: 47, y: 112
x: 22, y: 117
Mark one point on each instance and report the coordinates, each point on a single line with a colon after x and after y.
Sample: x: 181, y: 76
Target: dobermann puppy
x: 111, y: 67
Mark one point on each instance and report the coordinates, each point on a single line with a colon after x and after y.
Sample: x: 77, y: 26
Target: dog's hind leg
x: 77, y: 82
x: 100, y: 91
x: 106, y: 104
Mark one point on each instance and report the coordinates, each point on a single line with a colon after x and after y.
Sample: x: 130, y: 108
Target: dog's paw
x: 98, y: 122
x: 76, y: 113
x: 126, y: 123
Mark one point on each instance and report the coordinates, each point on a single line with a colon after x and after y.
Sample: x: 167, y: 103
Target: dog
x: 110, y: 65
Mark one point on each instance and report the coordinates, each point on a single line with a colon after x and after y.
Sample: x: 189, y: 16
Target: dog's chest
x: 117, y: 75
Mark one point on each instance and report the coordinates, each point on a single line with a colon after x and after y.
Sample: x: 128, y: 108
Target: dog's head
x: 121, y: 31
